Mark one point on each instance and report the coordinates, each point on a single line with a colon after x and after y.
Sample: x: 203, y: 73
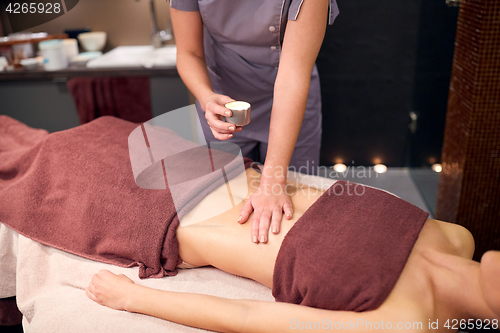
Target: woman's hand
x: 268, y: 203
x: 214, y: 111
x: 110, y: 290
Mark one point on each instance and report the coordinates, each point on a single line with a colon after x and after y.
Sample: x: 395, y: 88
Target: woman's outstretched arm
x: 208, y: 312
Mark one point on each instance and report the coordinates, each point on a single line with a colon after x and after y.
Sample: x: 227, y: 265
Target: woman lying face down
x: 320, y: 274
x: 346, y: 251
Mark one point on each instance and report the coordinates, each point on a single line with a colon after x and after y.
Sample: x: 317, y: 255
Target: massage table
x: 50, y: 285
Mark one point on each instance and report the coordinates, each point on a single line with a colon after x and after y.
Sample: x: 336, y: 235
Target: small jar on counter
x: 54, y: 55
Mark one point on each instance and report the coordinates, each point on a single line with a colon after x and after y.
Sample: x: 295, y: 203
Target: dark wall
x: 375, y: 68
x: 435, y: 48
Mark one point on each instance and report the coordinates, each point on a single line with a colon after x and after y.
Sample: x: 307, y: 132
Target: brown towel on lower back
x: 75, y: 190
x: 127, y: 98
x: 348, y: 249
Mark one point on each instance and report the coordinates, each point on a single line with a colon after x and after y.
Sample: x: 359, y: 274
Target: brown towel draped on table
x: 127, y: 98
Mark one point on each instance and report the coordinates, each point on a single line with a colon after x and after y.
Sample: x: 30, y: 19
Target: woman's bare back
x: 437, y: 267
x: 222, y: 242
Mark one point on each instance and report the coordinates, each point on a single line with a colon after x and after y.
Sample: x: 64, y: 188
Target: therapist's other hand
x: 268, y: 203
x: 214, y: 111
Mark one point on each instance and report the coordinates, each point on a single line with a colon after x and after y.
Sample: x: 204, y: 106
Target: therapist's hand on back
x: 214, y: 111
x: 269, y: 204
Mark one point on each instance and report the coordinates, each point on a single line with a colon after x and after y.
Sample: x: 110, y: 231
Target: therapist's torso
x: 242, y: 51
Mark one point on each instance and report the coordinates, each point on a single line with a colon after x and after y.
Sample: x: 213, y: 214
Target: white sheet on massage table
x: 50, y: 286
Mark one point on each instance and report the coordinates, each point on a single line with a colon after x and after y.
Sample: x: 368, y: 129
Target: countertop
x: 63, y: 75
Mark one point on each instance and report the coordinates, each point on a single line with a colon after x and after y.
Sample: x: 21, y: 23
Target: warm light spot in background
x: 437, y: 167
x: 380, y: 168
x: 432, y: 160
x: 377, y: 160
x: 339, y: 167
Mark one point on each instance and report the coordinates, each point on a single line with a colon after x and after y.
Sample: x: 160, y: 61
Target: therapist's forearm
x: 290, y: 100
x: 193, y: 72
x: 301, y: 45
x: 191, y: 65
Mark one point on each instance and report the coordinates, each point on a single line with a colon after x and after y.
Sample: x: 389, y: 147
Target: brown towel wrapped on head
x: 348, y: 249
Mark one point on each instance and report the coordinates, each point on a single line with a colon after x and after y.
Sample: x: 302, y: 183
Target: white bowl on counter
x: 92, y: 41
x: 30, y: 63
x: 82, y: 59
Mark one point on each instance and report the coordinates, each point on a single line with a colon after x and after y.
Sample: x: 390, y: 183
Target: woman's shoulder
x: 457, y: 239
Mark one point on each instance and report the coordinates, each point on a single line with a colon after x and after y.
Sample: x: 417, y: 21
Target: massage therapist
x: 238, y: 50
